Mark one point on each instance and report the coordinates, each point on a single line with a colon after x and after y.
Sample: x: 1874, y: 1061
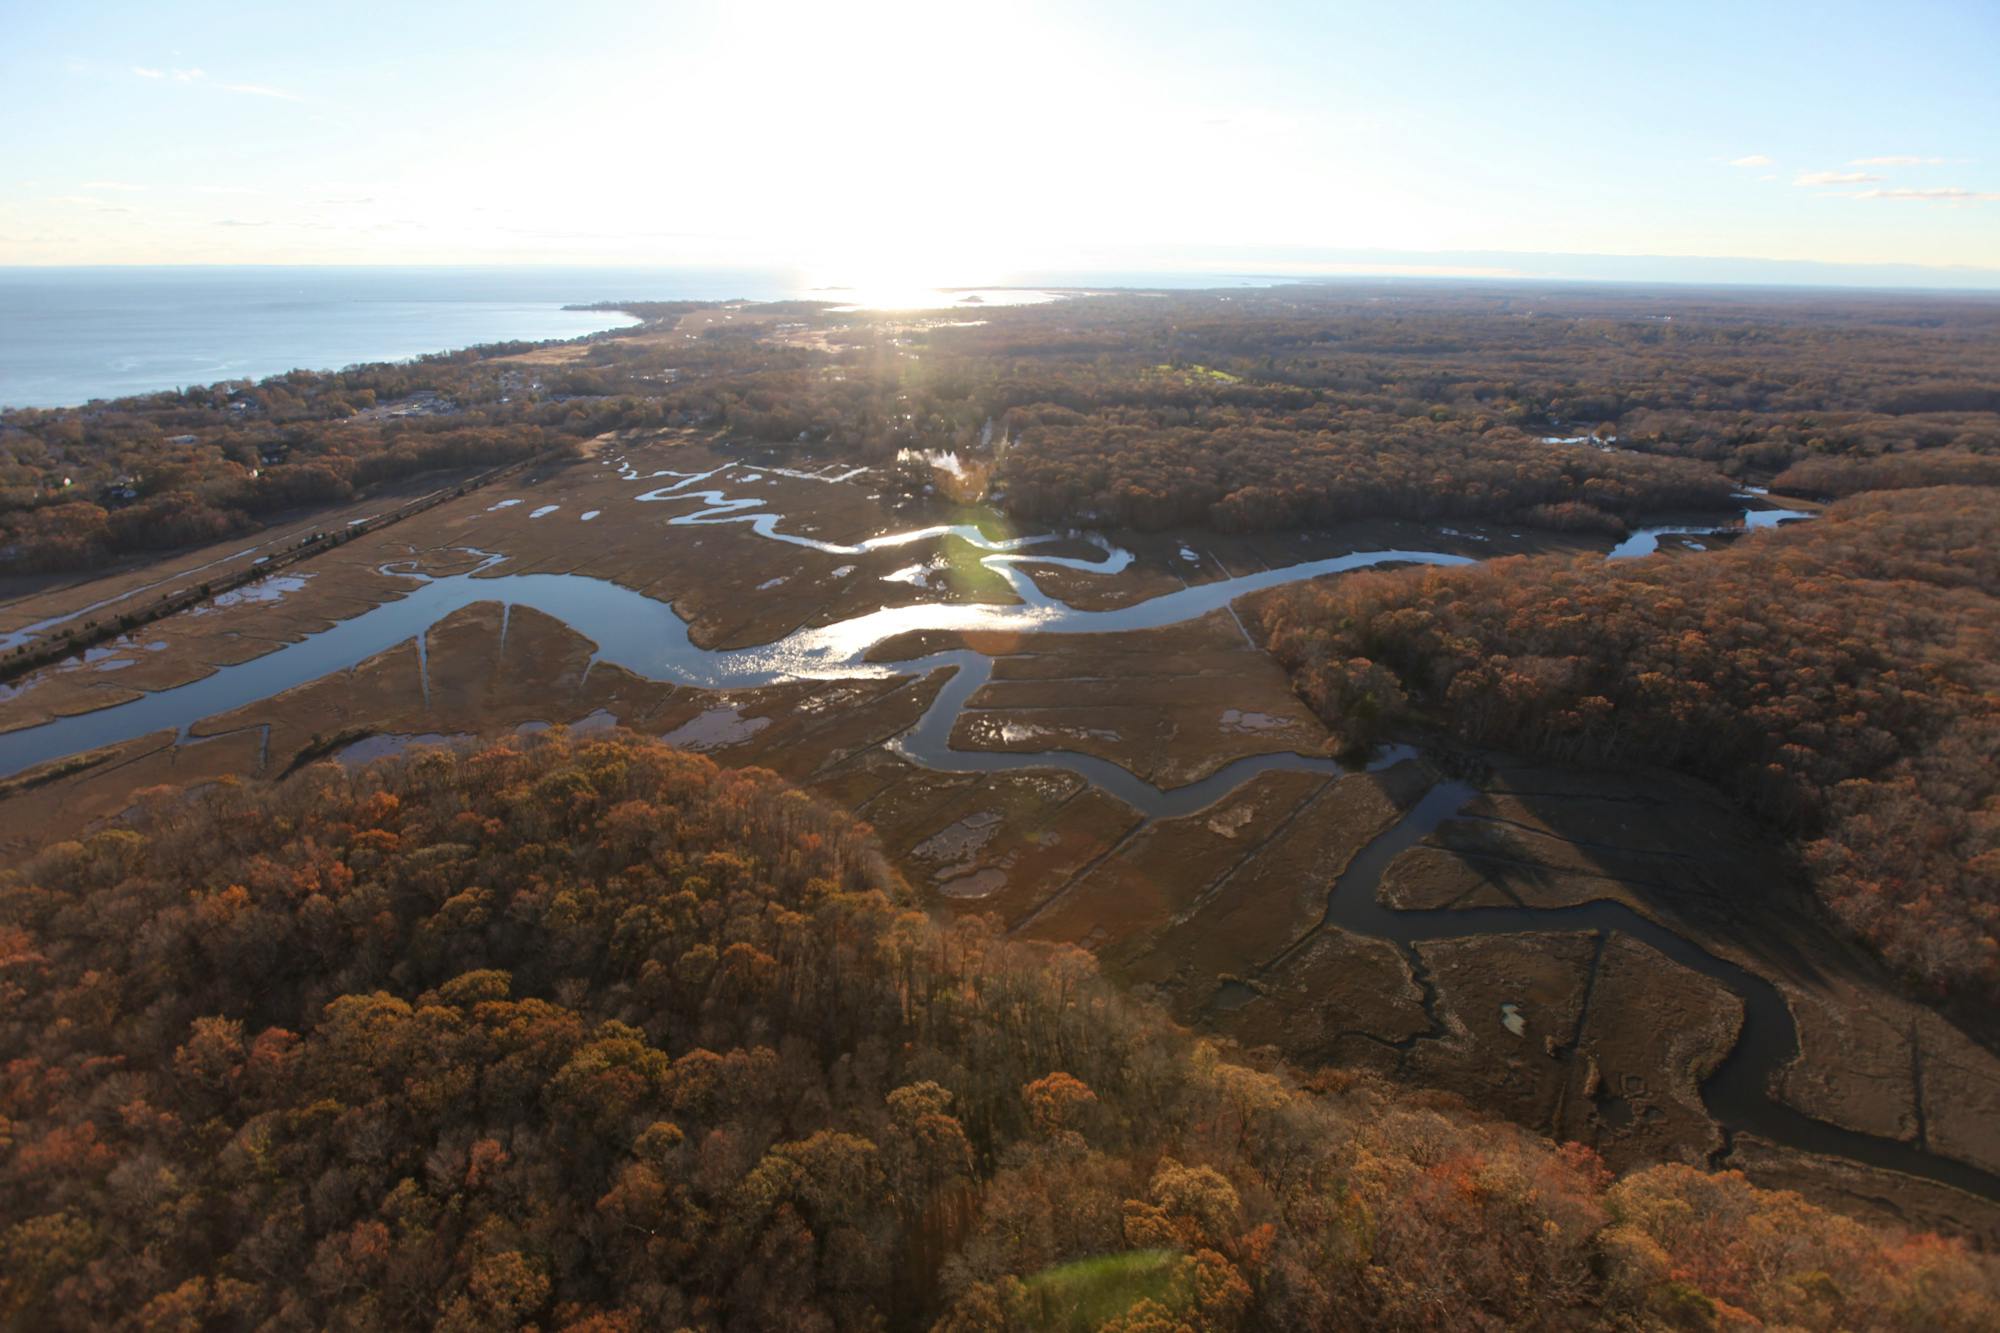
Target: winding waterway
x: 1736, y: 1092
x: 646, y: 637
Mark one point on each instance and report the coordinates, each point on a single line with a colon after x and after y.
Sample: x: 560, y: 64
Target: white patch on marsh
x: 1230, y: 824
x: 273, y: 589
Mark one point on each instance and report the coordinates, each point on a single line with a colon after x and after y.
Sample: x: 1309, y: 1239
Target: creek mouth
x: 645, y: 636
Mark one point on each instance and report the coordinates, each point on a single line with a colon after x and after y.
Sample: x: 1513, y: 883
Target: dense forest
x: 1257, y: 408
x: 593, y: 1035
x: 1236, y: 469
x: 1841, y: 677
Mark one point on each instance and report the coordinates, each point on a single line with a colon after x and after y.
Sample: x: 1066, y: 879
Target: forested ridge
x: 590, y: 1034
x: 1259, y: 408
x: 1841, y: 677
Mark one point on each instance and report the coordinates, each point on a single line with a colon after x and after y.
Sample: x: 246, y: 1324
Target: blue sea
x: 68, y: 335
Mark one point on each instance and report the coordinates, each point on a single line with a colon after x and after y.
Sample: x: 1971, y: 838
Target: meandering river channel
x: 646, y: 637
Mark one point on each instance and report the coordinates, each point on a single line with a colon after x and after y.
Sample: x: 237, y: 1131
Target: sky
x: 958, y: 143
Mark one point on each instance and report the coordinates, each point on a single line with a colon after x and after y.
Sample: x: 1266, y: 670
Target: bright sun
x: 880, y: 274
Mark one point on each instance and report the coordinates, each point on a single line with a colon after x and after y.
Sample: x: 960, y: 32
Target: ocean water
x: 68, y: 335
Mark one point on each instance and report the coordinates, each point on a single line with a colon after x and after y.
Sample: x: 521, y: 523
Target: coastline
x: 75, y: 336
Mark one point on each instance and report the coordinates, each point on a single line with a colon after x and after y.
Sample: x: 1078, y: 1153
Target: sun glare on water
x: 888, y: 285
x: 877, y: 289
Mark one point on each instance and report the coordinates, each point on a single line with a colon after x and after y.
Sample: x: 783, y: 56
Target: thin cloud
x: 111, y: 185
x: 260, y: 90
x: 1896, y: 161
x: 1754, y: 160
x: 238, y: 222
x: 1835, y: 178
x: 1944, y: 194
x: 201, y: 76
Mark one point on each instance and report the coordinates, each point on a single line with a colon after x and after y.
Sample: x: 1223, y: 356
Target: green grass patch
x: 1086, y: 1293
x: 1199, y: 372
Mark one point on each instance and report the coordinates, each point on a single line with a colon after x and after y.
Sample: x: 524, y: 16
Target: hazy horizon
x: 1504, y: 267
x: 899, y: 145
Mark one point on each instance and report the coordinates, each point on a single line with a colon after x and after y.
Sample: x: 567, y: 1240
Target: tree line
x: 1841, y: 677
x: 589, y: 1034
x: 1252, y: 409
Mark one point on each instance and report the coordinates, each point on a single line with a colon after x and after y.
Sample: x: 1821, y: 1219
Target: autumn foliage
x: 1249, y: 409
x: 1238, y: 468
x: 1840, y: 677
x: 592, y: 1035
